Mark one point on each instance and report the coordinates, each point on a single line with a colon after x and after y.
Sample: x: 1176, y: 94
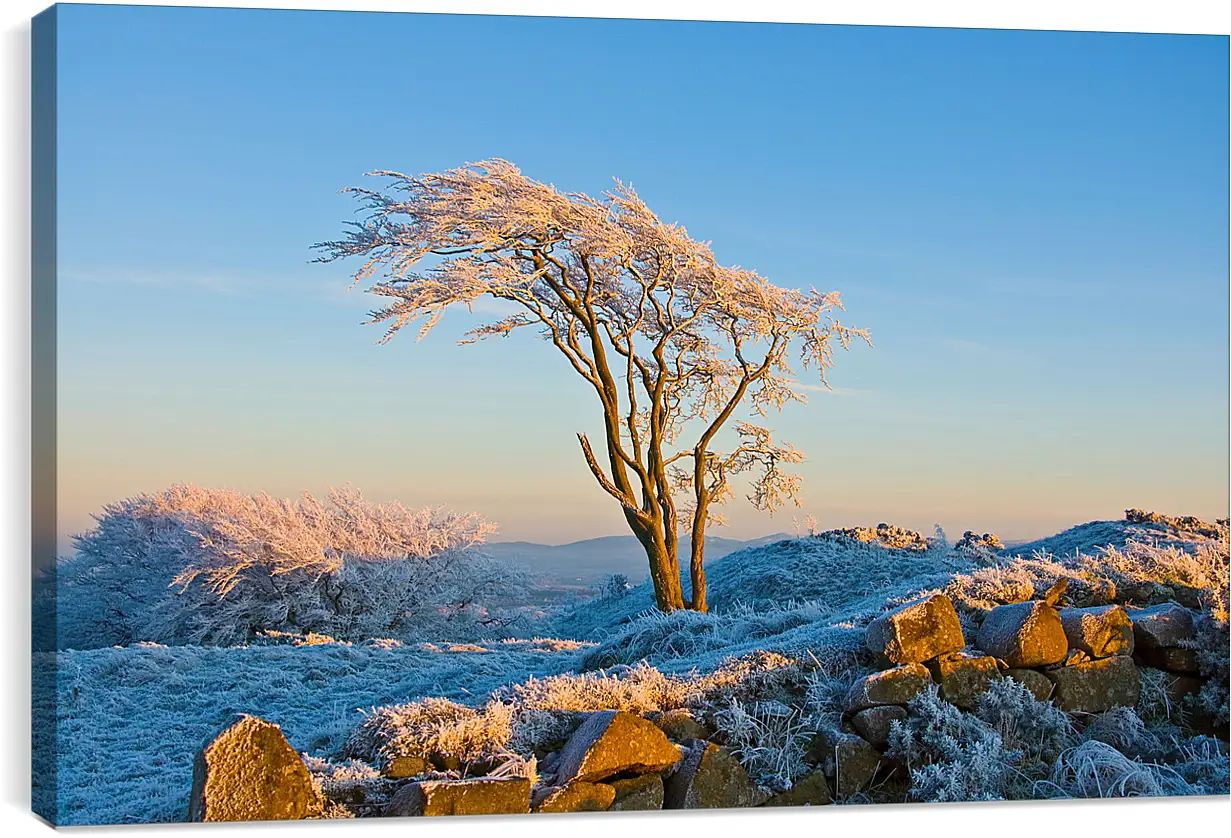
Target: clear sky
x: 1033, y: 226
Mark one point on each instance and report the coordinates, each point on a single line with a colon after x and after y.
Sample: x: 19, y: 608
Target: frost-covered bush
x: 952, y: 756
x: 1036, y: 730
x: 1000, y: 751
x: 1096, y: 769
x: 212, y: 566
x: 769, y: 738
x: 433, y: 727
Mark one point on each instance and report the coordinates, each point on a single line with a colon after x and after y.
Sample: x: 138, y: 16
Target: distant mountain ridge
x: 593, y: 559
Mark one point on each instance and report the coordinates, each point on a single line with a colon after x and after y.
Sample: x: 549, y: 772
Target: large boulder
x: 810, y: 790
x: 1040, y: 685
x: 1101, y: 632
x: 1024, y: 634
x: 1161, y: 626
x: 637, y: 794
x: 1097, y: 686
x: 875, y: 723
x: 916, y: 632
x: 891, y: 686
x: 577, y: 797
x: 614, y: 742
x: 710, y: 777
x: 483, y: 796
x: 963, y: 677
x: 848, y: 759
x: 249, y: 772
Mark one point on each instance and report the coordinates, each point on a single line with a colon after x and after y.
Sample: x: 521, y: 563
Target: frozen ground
x: 131, y: 719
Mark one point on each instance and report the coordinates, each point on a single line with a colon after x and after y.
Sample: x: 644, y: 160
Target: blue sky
x: 1033, y: 225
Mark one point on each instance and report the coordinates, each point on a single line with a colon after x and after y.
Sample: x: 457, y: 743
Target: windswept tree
x: 676, y: 347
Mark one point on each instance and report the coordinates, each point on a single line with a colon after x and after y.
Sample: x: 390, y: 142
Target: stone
x: 891, y: 686
x: 1171, y: 658
x: 1024, y: 634
x: 1052, y: 597
x: 874, y: 724
x: 1101, y: 632
x: 613, y: 742
x: 637, y: 794
x: 810, y: 790
x: 679, y: 725
x: 249, y: 772
x: 483, y: 796
x: 1097, y: 686
x: 848, y: 759
x: 1038, y: 683
x: 577, y: 797
x: 401, y: 768
x: 916, y: 632
x: 1161, y: 626
x: 710, y: 777
x: 963, y: 677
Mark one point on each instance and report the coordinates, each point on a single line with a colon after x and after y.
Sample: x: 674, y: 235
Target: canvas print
x: 474, y: 415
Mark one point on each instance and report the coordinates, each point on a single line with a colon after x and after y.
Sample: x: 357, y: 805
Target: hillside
x: 588, y: 562
x: 768, y: 670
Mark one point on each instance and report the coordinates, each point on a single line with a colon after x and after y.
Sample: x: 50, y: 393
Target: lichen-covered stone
x: 1024, y: 634
x: 1039, y: 684
x: 810, y: 790
x: 916, y: 632
x: 1161, y: 626
x: 1171, y: 659
x: 679, y: 725
x: 891, y: 686
x: 577, y: 797
x: 614, y: 742
x: 709, y: 777
x: 850, y: 761
x: 249, y: 772
x: 1097, y: 686
x: 401, y: 768
x: 483, y: 796
x: 963, y: 677
x: 637, y: 794
x: 1101, y: 632
x: 875, y: 723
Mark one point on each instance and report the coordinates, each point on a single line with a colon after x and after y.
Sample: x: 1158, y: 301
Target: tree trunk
x: 664, y: 573
x: 696, y: 565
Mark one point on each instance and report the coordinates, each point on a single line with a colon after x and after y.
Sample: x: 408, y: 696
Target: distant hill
x: 590, y: 561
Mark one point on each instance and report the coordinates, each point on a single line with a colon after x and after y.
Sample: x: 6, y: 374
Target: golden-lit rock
x: 483, y: 796
x: 1024, y: 634
x: 613, y: 742
x: 916, y: 632
x: 1097, y: 686
x: 249, y: 772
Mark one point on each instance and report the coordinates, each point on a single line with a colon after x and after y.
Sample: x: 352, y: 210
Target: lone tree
x: 672, y: 342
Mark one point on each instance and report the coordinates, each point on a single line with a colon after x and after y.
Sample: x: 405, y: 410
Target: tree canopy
x: 673, y: 344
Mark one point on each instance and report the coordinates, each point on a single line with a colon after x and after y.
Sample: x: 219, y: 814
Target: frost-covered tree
x: 195, y: 565
x: 673, y: 344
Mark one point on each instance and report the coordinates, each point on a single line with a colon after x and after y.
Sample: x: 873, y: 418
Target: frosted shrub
x: 951, y: 756
x: 1124, y: 730
x: 1096, y: 769
x: 769, y: 739
x: 1037, y: 730
x: 433, y: 727
x: 825, y: 695
x: 212, y: 566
